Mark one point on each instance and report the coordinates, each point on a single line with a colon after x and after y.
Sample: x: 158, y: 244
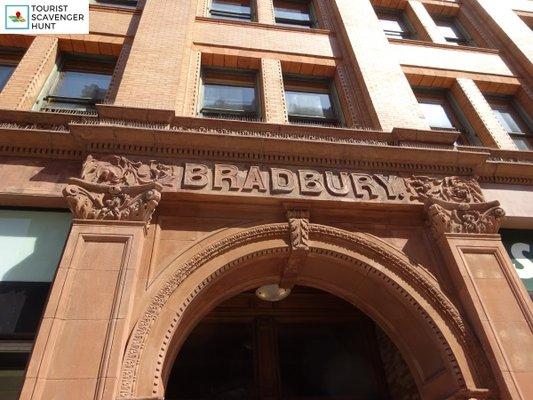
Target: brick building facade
x: 374, y: 157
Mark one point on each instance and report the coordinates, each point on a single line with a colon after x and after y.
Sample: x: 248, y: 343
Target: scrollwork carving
x: 115, y: 188
x: 299, y: 229
x: 452, y: 189
x: 446, y: 217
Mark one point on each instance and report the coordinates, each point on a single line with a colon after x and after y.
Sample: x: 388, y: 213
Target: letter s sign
x: 518, y: 250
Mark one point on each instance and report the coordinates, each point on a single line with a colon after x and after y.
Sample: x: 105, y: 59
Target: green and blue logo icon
x: 17, y: 16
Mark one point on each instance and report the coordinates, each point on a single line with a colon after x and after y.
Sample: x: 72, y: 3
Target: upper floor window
x: 394, y: 24
x: 9, y: 59
x: 79, y: 83
x: 229, y: 94
x: 119, y: 3
x: 441, y: 115
x: 311, y: 100
x: 452, y: 31
x: 513, y: 121
x: 231, y: 9
x: 294, y: 13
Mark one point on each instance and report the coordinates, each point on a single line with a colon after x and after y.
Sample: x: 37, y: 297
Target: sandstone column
x: 78, y: 351
x: 489, y: 289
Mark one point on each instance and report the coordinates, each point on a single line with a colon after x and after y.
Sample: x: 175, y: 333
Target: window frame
x: 10, y: 57
x: 464, y: 39
x: 239, y: 75
x: 408, y: 33
x: 130, y: 4
x: 457, y: 119
x: 520, y: 118
x: 313, y: 20
x: 226, y: 15
x: 73, y: 62
x: 313, y: 87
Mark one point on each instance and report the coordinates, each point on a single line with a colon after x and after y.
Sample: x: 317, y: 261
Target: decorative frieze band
x: 114, y: 187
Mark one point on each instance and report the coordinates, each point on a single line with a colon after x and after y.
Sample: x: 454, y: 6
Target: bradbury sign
x: 44, y: 17
x: 284, y: 182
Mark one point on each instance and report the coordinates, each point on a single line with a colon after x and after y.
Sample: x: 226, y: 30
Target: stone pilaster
x: 479, y: 112
x: 423, y: 22
x: 78, y: 351
x: 490, y: 291
x: 368, y: 52
x: 24, y: 86
x: 265, y: 12
x: 274, y: 105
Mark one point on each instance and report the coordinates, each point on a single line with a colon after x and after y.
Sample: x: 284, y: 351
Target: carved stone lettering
x: 310, y: 182
x: 337, y: 185
x: 226, y: 173
x: 254, y: 180
x: 283, y: 180
x: 394, y: 186
x: 365, y: 187
x: 195, y: 176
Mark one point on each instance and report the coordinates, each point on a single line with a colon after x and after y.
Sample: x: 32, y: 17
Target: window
x: 119, y: 3
x: 9, y: 59
x: 78, y: 84
x: 231, y: 9
x: 31, y: 244
x: 519, y: 245
x: 452, y: 32
x: 394, y: 24
x: 229, y: 94
x: 294, y: 13
x: 436, y: 106
x: 311, y: 100
x: 512, y: 121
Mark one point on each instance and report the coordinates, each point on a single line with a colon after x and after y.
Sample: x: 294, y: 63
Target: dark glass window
x: 513, y: 122
x: 9, y: 59
x: 5, y: 74
x: 294, y: 13
x: 436, y: 106
x: 229, y: 94
x: 393, y: 24
x: 452, y: 32
x: 231, y: 9
x: 120, y: 3
x: 519, y: 245
x: 31, y: 245
x: 79, y: 84
x: 310, y: 101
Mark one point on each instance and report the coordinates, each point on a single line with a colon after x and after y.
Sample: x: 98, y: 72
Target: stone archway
x: 395, y: 292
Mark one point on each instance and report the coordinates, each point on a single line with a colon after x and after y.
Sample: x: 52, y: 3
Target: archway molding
x: 404, y: 300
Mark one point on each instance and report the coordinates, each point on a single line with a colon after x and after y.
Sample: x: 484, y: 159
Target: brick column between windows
x: 369, y: 51
x: 265, y: 12
x: 158, y: 54
x: 480, y: 115
x: 423, y: 22
x: 275, y: 109
x: 22, y: 89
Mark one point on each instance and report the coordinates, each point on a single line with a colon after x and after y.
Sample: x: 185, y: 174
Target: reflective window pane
x: 308, y: 104
x: 12, y: 368
x: 5, y: 74
x: 295, y: 12
x: 450, y: 31
x: 231, y: 9
x: 228, y: 97
x: 507, y: 120
x: 435, y: 115
x: 31, y: 245
x: 393, y: 25
x: 85, y: 85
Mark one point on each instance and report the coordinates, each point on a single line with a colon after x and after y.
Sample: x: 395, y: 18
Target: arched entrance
x: 394, y: 291
x: 310, y: 345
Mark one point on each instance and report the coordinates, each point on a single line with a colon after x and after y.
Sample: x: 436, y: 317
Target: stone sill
x: 425, y: 43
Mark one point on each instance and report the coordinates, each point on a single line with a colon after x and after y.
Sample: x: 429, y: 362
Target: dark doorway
x: 310, y: 346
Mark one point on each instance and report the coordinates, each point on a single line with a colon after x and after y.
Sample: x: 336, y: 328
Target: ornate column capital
x: 456, y: 205
x: 115, y: 188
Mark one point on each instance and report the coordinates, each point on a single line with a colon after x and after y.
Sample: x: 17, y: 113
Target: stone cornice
x: 73, y: 137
